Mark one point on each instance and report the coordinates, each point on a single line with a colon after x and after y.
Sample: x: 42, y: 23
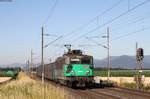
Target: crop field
x: 26, y: 88
x: 121, y: 73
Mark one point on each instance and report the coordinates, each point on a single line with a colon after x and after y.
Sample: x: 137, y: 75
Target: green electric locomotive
x: 78, y: 69
x: 73, y: 69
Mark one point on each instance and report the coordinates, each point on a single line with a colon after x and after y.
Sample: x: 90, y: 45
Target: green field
x: 121, y: 73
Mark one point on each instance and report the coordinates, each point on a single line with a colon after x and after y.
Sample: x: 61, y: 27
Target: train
x: 73, y: 69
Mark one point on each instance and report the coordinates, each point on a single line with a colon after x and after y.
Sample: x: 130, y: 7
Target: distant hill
x: 124, y: 61
x: 14, y: 65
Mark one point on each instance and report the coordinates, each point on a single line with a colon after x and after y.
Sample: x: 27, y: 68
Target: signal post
x: 139, y: 59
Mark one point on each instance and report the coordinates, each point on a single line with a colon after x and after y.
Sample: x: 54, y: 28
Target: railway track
x: 102, y: 93
x: 135, y: 92
x: 117, y: 93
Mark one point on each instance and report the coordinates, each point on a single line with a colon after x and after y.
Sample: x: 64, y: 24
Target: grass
x: 128, y: 85
x: 27, y: 88
x: 147, y: 88
x: 134, y: 85
x: 118, y: 73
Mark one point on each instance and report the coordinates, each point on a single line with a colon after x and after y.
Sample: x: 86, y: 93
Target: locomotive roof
x: 73, y: 53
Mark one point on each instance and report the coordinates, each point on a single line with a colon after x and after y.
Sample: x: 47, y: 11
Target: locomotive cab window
x: 86, y: 60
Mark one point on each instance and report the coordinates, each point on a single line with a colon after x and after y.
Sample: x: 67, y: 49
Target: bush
x: 5, y: 74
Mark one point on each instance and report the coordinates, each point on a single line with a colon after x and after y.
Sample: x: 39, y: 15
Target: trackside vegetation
x: 26, y: 88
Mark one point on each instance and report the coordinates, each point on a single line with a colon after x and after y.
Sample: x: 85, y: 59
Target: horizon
x: 94, y: 59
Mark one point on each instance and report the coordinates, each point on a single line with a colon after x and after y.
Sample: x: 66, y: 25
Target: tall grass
x: 27, y: 88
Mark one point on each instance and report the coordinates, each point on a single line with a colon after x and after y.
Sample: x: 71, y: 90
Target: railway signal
x: 140, y: 54
x: 139, y: 59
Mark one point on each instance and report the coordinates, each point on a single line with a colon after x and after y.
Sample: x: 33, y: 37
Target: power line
x: 50, y: 13
x: 126, y: 12
x: 90, y: 21
x: 136, y: 21
x: 130, y: 23
x: 128, y: 34
x: 53, y: 41
x: 112, y: 20
x: 96, y: 42
x: 93, y: 19
x: 122, y: 36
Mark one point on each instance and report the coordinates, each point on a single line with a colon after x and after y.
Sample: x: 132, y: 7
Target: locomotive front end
x: 79, y: 70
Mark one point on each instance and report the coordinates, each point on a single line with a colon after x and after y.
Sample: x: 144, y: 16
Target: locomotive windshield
x: 85, y: 61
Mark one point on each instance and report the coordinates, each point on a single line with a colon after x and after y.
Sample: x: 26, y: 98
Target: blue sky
x: 21, y: 21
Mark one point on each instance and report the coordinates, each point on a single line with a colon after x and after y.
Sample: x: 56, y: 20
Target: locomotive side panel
x: 59, y: 69
x: 49, y: 71
x: 39, y: 71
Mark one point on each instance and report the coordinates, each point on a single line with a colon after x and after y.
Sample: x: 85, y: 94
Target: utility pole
x: 108, y: 55
x: 42, y: 61
x: 137, y: 68
x: 42, y: 54
x: 26, y: 67
x: 139, y: 59
x: 135, y: 54
x: 28, y: 64
x: 31, y: 61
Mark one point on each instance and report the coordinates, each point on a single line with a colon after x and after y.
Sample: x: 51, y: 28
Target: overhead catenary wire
x: 50, y: 13
x: 135, y: 21
x: 53, y: 41
x: 95, y: 18
x: 119, y: 37
x: 125, y: 35
x: 96, y: 42
x: 128, y: 34
x: 112, y: 20
x: 129, y: 10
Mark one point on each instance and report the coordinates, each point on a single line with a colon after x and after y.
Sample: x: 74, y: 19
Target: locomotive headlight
x: 87, y: 72
x: 73, y: 72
